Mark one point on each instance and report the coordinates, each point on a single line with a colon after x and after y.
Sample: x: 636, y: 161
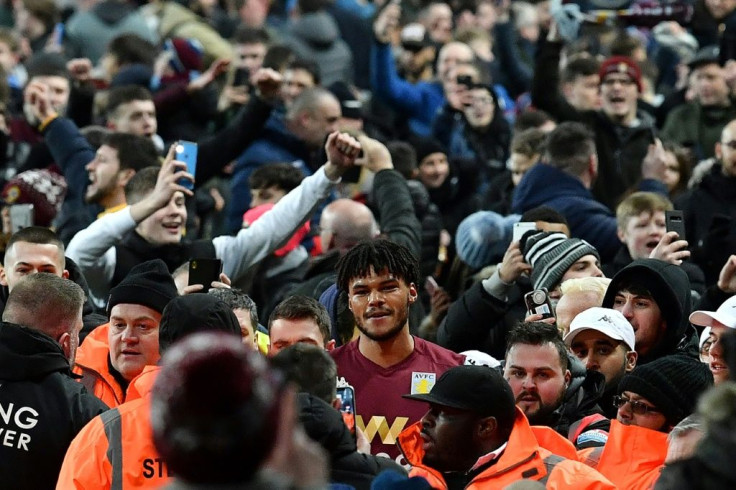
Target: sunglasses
x: 639, y: 408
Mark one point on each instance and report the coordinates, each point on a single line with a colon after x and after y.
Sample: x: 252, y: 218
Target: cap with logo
x: 477, y: 389
x: 623, y: 65
x: 725, y: 315
x: 610, y: 323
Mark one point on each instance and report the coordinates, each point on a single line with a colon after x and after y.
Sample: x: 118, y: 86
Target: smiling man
x: 152, y: 225
x: 720, y: 322
x: 385, y: 361
x: 115, y: 353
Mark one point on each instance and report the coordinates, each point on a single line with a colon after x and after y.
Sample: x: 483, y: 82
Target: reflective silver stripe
x: 550, y: 462
x: 113, y: 431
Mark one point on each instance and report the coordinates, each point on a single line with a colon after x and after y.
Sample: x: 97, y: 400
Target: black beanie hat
x: 148, y: 284
x: 425, y: 147
x: 672, y: 383
x: 195, y: 313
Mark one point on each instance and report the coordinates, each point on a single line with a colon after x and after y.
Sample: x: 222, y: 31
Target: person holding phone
x: 153, y: 223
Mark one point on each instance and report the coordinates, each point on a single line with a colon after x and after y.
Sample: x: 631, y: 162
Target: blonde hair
x: 596, y: 285
x: 640, y: 202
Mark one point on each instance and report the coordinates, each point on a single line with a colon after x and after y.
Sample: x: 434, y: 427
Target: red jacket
x: 115, y: 450
x: 523, y: 458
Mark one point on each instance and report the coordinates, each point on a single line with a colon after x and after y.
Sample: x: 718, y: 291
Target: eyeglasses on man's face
x: 639, y: 408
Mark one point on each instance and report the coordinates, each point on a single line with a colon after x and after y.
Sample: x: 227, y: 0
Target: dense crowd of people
x: 367, y: 245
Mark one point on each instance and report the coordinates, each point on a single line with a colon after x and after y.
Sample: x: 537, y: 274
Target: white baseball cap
x: 725, y: 315
x: 605, y: 320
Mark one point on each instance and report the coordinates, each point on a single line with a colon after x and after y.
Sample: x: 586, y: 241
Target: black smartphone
x: 204, y: 271
x: 537, y: 302
x: 675, y: 221
x: 346, y: 395
x: 466, y: 80
x: 241, y: 78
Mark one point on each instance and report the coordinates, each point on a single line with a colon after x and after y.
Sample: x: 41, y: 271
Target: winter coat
x: 42, y: 408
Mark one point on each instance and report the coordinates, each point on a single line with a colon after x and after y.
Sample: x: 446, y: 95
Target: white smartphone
x: 522, y: 227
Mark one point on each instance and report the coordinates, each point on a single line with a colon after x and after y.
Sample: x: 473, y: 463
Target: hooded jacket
x: 315, y: 36
x: 42, y: 408
x: 670, y: 288
x: 523, y: 458
x: 325, y: 425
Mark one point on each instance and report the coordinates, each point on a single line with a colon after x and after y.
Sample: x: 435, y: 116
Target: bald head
x: 572, y: 303
x: 724, y: 152
x: 344, y: 223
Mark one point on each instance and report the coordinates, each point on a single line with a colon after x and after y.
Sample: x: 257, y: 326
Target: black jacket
x: 325, y: 425
x: 620, y: 149
x: 670, y: 288
x: 41, y: 408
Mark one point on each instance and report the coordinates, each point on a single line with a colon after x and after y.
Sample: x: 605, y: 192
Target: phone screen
x: 346, y: 394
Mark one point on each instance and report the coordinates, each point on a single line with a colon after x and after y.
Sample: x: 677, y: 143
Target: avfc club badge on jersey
x: 422, y: 383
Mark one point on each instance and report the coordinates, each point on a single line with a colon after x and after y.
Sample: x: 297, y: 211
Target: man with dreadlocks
x: 386, y: 361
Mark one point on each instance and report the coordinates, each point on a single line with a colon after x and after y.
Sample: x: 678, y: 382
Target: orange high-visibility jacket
x: 633, y: 457
x: 115, y: 450
x: 92, y: 364
x: 523, y: 458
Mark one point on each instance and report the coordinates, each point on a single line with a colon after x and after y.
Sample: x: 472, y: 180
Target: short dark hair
x: 404, y: 157
x: 300, y: 307
x: 134, y: 152
x: 624, y: 44
x: 531, y: 118
x: 544, y: 213
x: 311, y: 6
x: 44, y: 10
x: 251, y: 35
x: 95, y: 135
x: 378, y: 254
x: 45, y: 302
x: 278, y: 57
x: 237, y: 300
x: 310, y: 368
x: 581, y: 65
x: 538, y: 333
x: 529, y: 142
x: 284, y: 176
x: 131, y: 49
x: 141, y: 184
x: 46, y: 65
x: 38, y: 235
x: 569, y: 148
x: 125, y: 94
x: 309, y: 66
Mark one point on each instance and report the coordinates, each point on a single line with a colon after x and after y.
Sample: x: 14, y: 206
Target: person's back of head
x: 310, y: 368
x: 404, y: 158
x: 134, y: 152
x: 344, y: 223
x: 128, y: 49
x: 570, y: 148
x: 192, y: 313
x: 49, y: 304
x: 283, y: 176
x: 309, y: 101
x: 141, y: 184
x: 211, y: 428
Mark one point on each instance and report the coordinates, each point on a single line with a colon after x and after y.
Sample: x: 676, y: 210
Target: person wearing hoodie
x: 315, y: 375
x: 90, y: 31
x: 314, y: 35
x: 655, y: 297
x: 42, y: 406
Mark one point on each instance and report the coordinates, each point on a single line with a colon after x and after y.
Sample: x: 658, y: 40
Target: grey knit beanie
x: 551, y: 254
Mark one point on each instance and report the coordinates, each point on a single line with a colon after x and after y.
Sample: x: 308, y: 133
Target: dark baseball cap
x: 705, y: 56
x: 478, y: 389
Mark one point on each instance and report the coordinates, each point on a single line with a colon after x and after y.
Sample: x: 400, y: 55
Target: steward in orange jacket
x: 93, y: 364
x: 632, y: 458
x: 114, y: 354
x: 115, y: 450
x: 475, y: 437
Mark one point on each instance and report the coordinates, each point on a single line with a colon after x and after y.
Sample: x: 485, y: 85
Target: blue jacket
x: 588, y: 219
x: 418, y: 102
x: 276, y: 145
